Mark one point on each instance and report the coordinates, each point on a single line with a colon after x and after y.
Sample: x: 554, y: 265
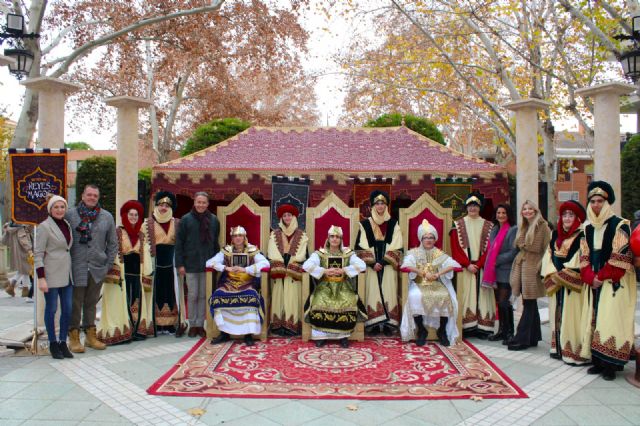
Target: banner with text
x: 33, y: 176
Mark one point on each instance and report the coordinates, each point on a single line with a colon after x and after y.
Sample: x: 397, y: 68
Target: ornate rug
x: 378, y: 368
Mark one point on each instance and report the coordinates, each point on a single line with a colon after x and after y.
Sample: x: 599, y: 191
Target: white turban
x: 335, y: 230
x: 238, y: 230
x: 426, y: 228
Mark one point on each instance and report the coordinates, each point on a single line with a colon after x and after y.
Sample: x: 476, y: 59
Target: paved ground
x: 108, y: 387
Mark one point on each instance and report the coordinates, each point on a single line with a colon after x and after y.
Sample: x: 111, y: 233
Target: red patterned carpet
x: 380, y: 368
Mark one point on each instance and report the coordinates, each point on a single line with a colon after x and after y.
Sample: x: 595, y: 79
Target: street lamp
x: 14, y: 30
x: 22, y: 65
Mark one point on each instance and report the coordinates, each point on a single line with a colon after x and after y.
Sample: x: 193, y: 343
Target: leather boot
x: 222, y: 337
x: 421, y: 337
x: 11, y: 289
x: 74, y: 341
x: 442, y: 332
x: 54, y: 349
x: 64, y: 349
x: 508, y: 326
x: 499, y: 335
x: 248, y: 340
x: 91, y: 340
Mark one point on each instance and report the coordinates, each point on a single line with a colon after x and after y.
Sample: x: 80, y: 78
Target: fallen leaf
x: 196, y: 412
x: 352, y: 407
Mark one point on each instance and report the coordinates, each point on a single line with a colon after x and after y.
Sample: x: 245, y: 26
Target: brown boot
x: 91, y: 340
x: 11, y: 288
x: 74, y: 341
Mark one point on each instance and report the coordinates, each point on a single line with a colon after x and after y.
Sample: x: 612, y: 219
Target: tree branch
x: 602, y: 37
x: 62, y: 34
x: 86, y: 48
x: 464, y: 78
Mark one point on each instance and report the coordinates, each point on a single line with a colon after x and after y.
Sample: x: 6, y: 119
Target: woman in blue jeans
x: 53, y: 266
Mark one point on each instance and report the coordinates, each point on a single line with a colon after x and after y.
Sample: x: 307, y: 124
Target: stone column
x: 606, y: 140
x: 127, y: 157
x: 526, y: 149
x: 51, y: 99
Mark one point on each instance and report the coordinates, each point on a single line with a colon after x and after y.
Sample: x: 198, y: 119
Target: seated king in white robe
x: 236, y: 306
x: 431, y: 301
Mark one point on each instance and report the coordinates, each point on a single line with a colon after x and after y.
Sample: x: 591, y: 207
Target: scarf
x: 162, y: 217
x: 87, y: 217
x: 599, y: 220
x: 132, y: 230
x: 562, y: 234
x: 289, y: 230
x: 489, y: 275
x: 379, y: 219
x: 203, y: 219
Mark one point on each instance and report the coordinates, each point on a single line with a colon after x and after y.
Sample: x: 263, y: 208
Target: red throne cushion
x: 433, y: 220
x: 249, y: 221
x: 324, y: 222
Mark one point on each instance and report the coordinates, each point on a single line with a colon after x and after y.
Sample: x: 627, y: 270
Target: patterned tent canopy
x: 345, y: 161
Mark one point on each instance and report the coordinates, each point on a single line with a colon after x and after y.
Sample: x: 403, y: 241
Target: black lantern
x: 24, y: 60
x: 630, y: 60
x: 14, y: 30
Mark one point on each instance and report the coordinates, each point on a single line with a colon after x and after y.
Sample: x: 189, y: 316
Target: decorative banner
x: 33, y: 177
x: 361, y: 192
x: 453, y: 195
x: 294, y: 192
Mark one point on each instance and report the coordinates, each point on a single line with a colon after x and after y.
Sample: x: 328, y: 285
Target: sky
x: 328, y: 36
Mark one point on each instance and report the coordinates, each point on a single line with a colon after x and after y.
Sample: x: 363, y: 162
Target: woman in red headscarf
x: 126, y: 313
x: 287, y: 252
x: 569, y: 301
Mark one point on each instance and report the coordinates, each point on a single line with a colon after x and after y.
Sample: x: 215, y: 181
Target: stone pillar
x: 526, y: 149
x: 51, y: 99
x: 606, y: 140
x: 127, y: 157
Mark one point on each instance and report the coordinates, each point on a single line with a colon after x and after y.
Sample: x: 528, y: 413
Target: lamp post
x: 22, y: 59
x: 572, y: 169
x: 630, y: 60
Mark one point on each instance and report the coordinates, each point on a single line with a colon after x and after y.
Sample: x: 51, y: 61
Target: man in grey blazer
x: 196, y: 242
x: 94, y: 249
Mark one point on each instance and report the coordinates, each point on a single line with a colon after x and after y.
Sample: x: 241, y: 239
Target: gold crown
x: 335, y: 230
x: 237, y: 230
x: 380, y: 197
x: 598, y: 191
x: 166, y: 200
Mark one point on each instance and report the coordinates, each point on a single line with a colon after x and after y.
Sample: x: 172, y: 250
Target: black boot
x: 387, y: 330
x: 499, y: 335
x: 248, y: 340
x: 609, y: 372
x: 64, y: 349
x: 223, y: 337
x: 442, y: 332
x: 54, y: 348
x: 508, y: 326
x: 421, y: 337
